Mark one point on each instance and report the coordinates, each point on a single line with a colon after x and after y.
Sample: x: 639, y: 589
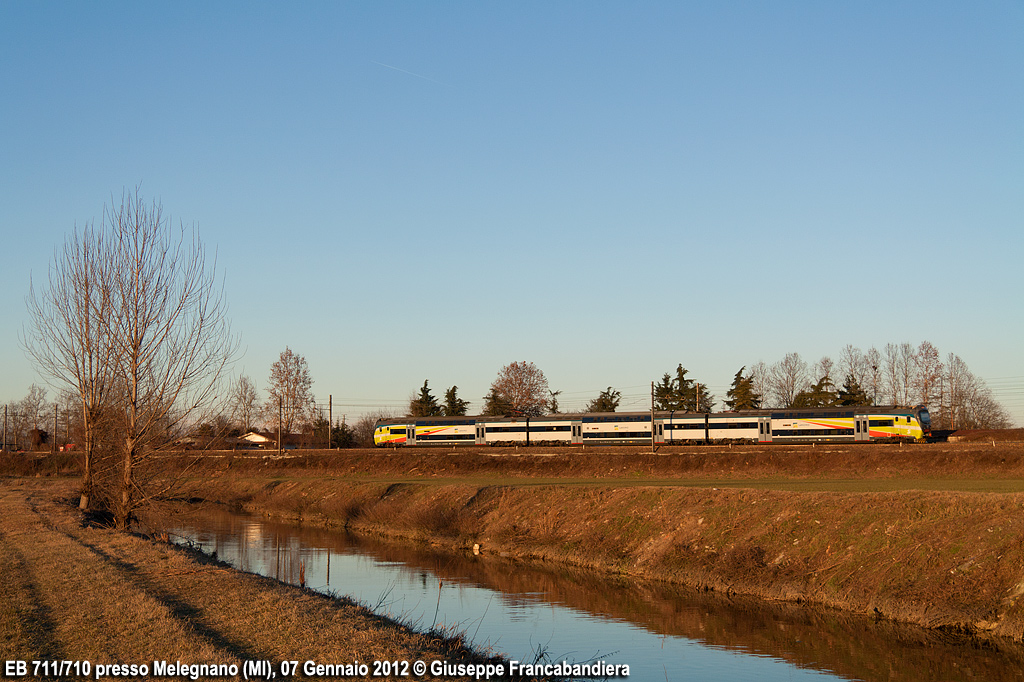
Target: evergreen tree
x: 742, y: 395
x: 495, y: 405
x: 681, y: 394
x: 665, y: 396
x: 607, y: 401
x: 701, y: 398
x: 343, y: 436
x: 685, y: 390
x: 852, y: 394
x: 425, y: 405
x: 454, y: 406
x: 821, y: 394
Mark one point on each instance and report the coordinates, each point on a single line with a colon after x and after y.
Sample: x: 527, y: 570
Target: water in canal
x: 528, y: 611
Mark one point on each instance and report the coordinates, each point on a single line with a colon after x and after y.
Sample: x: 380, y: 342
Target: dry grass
x: 70, y: 591
x: 897, y: 532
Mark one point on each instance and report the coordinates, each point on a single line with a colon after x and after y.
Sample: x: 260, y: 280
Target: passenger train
x: 855, y: 424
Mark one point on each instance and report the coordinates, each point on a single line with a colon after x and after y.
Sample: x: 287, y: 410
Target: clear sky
x: 403, y: 191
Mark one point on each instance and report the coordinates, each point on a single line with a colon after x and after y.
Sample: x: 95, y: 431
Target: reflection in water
x: 662, y: 632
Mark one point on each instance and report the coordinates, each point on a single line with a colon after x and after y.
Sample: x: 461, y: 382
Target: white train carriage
x: 620, y: 428
x: 548, y: 430
x: 685, y: 428
x: 731, y: 428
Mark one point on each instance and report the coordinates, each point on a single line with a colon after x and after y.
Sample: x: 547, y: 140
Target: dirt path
x: 71, y: 592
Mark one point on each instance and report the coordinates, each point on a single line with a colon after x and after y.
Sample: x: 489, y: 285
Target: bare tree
x: 34, y: 409
x: 291, y: 391
x: 168, y: 328
x: 69, y: 425
x: 928, y: 374
x: 788, y: 377
x: 760, y: 383
x: 907, y: 368
x: 23, y: 417
x: 522, y: 387
x: 245, y: 403
x: 969, y: 402
x: 853, y: 363
x: 67, y: 335
x: 823, y: 368
x: 959, y: 385
x: 893, y: 383
x: 874, y: 368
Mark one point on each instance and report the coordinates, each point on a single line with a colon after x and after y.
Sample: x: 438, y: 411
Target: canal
x: 534, y: 612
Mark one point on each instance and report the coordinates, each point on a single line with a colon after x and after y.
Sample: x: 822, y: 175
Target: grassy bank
x: 71, y: 591
x: 944, y: 558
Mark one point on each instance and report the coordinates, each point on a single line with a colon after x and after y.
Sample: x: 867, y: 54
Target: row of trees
x: 900, y: 374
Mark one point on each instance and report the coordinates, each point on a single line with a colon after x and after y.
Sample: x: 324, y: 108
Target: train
x: 857, y: 424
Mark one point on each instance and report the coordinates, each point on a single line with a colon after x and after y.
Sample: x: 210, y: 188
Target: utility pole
x: 652, y: 417
x: 330, y: 419
x: 53, y: 438
x: 3, y: 446
x: 280, y: 417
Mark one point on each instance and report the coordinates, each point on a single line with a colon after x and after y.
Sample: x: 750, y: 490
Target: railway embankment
x: 949, y: 557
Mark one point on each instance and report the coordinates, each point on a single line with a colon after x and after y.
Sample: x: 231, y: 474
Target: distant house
x: 256, y: 440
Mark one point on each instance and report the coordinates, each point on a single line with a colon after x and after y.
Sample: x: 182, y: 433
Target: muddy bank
x: 939, y: 559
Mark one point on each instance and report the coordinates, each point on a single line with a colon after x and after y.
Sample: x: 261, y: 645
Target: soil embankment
x: 72, y: 592
x: 857, y: 532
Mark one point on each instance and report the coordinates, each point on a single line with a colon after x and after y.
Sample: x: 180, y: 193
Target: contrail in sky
x: 388, y: 66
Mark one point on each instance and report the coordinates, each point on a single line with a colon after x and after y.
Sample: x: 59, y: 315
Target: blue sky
x: 407, y: 191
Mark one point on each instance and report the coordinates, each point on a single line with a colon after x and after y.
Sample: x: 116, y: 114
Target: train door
x: 659, y: 431
x: 861, y: 427
x: 764, y: 429
x: 410, y: 434
x: 577, y: 432
x: 481, y: 434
